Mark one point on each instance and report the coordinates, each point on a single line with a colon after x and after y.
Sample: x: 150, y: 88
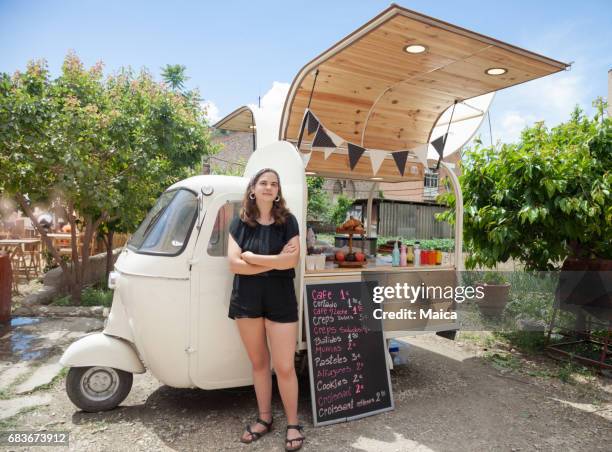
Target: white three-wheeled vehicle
x: 387, y: 87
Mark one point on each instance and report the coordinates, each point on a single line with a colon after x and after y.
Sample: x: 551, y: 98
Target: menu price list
x: 348, y: 367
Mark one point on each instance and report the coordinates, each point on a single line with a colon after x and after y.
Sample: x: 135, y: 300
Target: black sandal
x: 256, y: 435
x: 301, y: 439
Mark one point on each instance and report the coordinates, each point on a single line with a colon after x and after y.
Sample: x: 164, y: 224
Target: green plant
x: 340, y: 210
x: 318, y: 201
x: 503, y: 360
x: 235, y: 169
x: 493, y: 278
x: 96, y: 297
x: 91, y: 296
x: 568, y: 372
x: 542, y: 199
x: 62, y: 301
x: 525, y: 341
x: 60, y: 376
x: 50, y: 263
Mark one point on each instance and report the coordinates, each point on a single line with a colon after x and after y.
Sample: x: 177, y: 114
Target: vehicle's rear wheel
x: 97, y: 388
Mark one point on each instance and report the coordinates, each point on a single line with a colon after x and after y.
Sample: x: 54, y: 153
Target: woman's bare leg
x: 253, y: 334
x: 283, y: 338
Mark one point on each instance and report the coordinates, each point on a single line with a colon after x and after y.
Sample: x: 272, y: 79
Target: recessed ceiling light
x: 376, y: 178
x: 415, y: 48
x: 311, y: 173
x: 496, y: 71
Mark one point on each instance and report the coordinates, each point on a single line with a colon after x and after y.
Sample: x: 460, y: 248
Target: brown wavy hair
x: 250, y: 212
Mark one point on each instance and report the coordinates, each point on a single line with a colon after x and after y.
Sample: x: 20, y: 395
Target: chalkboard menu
x: 349, y: 376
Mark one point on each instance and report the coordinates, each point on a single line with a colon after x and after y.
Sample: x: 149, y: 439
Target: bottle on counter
x: 417, y: 254
x: 410, y: 255
x: 395, y: 256
x: 403, y: 256
x: 438, y: 256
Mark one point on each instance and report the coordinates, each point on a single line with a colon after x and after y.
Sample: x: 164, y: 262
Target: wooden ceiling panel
x: 369, y: 88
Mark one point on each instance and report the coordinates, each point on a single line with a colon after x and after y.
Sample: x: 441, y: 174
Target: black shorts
x: 259, y: 296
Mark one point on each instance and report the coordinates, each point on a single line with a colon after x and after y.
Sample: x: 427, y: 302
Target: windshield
x: 166, y: 228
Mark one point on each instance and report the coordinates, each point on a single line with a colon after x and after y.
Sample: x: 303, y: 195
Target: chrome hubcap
x: 99, y: 383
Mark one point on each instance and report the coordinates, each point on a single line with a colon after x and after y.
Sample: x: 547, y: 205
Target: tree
x: 318, y: 200
x: 338, y: 213
x: 174, y: 76
x: 542, y: 199
x: 103, y: 149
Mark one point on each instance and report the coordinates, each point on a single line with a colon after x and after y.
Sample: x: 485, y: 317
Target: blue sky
x: 235, y: 51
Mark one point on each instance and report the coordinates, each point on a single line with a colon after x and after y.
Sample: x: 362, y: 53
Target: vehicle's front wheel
x: 97, y: 388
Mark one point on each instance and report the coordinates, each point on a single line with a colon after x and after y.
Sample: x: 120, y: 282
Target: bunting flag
x: 322, y: 139
x: 400, y: 160
x: 306, y: 158
x: 337, y: 139
x: 312, y: 123
x: 328, y: 152
x: 376, y: 159
x: 354, y: 153
x: 328, y: 141
x: 439, y: 143
x: 421, y: 153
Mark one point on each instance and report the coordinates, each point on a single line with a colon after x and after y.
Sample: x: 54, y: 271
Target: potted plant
x: 496, y: 290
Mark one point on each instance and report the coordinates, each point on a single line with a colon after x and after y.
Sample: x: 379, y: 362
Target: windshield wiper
x: 155, y: 219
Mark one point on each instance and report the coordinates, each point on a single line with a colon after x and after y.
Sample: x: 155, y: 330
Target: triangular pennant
x: 376, y: 159
x: 311, y: 123
x: 337, y: 139
x: 306, y: 158
x: 322, y: 139
x: 439, y: 143
x: 400, y: 160
x: 421, y: 153
x: 354, y: 153
x: 328, y: 152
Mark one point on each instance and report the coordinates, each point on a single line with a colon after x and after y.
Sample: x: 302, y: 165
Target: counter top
x: 331, y: 271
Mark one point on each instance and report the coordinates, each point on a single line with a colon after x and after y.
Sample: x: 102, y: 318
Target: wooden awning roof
x: 373, y: 93
x: 240, y: 120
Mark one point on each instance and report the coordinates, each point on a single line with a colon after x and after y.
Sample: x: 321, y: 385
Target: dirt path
x: 447, y: 398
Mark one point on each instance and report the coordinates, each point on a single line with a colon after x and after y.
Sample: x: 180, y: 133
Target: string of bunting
x: 328, y: 141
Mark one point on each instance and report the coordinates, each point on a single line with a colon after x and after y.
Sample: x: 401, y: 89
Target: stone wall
x: 55, y: 281
x: 236, y: 148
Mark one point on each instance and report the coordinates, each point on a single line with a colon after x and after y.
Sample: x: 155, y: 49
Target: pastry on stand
x: 351, y: 227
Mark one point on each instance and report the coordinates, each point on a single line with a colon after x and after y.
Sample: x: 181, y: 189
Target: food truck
x: 370, y: 108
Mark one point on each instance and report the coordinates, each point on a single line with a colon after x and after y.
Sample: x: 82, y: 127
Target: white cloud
x: 512, y: 124
x: 268, y: 116
x: 273, y: 101
x: 211, y: 111
x: 550, y: 99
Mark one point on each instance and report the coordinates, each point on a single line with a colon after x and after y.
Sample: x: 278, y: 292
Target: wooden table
x: 62, y: 242
x: 25, y: 255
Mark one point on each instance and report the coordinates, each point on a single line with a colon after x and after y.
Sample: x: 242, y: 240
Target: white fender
x: 99, y: 349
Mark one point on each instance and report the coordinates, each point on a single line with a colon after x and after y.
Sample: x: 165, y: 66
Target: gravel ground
x: 446, y: 398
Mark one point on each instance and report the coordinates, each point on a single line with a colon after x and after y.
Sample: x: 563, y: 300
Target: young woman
x: 263, y: 250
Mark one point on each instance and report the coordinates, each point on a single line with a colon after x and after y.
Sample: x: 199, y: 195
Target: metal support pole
x: 458, y: 216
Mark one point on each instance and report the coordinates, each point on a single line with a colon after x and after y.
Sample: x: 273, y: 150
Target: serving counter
x: 432, y: 309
